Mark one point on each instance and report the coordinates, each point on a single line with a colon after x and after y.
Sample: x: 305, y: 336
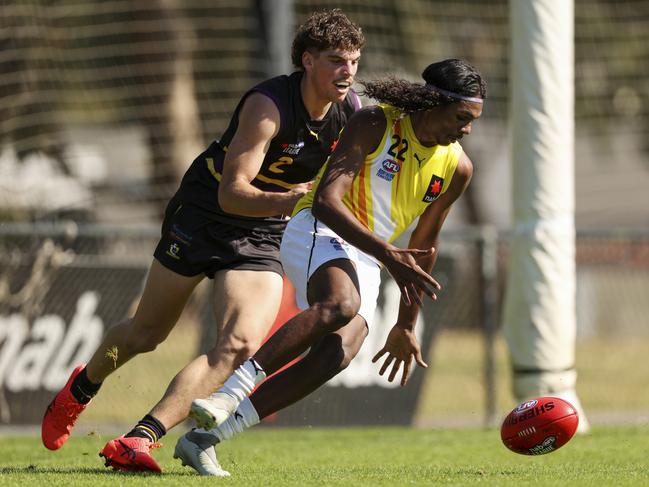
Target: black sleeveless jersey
x: 295, y: 154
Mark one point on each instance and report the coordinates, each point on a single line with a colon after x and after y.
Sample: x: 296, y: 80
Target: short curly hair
x: 326, y: 29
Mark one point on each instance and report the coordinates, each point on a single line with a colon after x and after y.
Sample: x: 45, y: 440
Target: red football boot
x: 131, y: 454
x: 61, y: 415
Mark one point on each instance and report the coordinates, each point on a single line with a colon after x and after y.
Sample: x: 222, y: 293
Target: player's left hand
x: 401, y: 346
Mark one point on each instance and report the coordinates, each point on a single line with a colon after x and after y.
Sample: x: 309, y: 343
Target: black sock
x: 148, y: 427
x: 82, y: 389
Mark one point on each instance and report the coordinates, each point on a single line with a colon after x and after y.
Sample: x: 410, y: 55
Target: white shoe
x: 571, y: 396
x: 213, y: 411
x: 196, y: 450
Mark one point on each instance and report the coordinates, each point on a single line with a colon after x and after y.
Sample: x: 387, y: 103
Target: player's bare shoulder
x: 259, y: 106
x: 370, y: 117
x: 365, y: 128
x: 464, y: 170
x: 259, y: 121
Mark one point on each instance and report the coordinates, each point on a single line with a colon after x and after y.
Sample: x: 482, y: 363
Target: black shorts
x: 195, y: 241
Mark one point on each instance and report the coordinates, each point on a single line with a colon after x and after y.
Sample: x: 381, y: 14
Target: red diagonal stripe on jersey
x: 362, y: 202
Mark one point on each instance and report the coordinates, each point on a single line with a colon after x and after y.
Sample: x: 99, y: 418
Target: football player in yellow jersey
x: 394, y: 164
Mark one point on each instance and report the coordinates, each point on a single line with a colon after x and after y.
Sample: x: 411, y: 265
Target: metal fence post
x: 488, y: 250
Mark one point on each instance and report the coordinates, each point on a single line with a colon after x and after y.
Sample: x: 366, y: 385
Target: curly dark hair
x: 326, y: 29
x: 453, y: 75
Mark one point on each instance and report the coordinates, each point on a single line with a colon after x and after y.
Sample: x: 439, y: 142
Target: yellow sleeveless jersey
x: 397, y: 181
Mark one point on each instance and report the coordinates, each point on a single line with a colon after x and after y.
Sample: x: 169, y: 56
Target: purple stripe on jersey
x: 355, y: 100
x: 218, y: 161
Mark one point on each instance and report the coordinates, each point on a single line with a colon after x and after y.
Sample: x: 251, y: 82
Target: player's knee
x: 336, y: 313
x: 235, y: 349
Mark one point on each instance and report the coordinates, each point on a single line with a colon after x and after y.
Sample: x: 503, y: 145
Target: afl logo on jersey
x: 388, y: 169
x: 434, y: 189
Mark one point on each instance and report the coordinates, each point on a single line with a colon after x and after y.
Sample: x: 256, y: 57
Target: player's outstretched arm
x: 401, y: 345
x: 362, y: 135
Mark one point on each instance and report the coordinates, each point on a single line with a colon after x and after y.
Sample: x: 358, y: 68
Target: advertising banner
x: 44, y: 335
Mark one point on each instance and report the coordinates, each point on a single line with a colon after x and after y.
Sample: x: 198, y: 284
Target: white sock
x: 242, y: 382
x: 243, y: 418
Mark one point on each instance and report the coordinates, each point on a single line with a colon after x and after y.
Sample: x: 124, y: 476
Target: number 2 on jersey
x: 276, y: 166
x: 397, y: 141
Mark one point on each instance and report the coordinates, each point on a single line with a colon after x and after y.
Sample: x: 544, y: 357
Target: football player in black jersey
x: 225, y: 222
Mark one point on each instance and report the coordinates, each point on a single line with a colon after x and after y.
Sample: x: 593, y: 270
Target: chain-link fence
x: 103, y: 105
x: 61, y: 286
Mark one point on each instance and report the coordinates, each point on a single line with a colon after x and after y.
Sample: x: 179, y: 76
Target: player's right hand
x: 294, y: 194
x: 401, y: 346
x: 409, y: 276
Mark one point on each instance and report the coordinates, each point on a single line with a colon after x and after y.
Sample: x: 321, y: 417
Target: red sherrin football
x: 539, y: 426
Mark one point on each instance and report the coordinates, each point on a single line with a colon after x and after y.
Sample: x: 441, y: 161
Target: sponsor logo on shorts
x: 338, y: 244
x: 388, y: 169
x: 546, y: 446
x: 174, y: 250
x: 178, y: 234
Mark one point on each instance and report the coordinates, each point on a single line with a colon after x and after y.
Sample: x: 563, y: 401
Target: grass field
x: 610, y: 380
x: 609, y: 456
x: 353, y: 457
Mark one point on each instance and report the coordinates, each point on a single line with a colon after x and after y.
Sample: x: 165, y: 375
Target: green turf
x: 453, y: 384
x: 322, y: 457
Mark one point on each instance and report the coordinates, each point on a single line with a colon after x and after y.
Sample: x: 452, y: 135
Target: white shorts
x: 308, y: 243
